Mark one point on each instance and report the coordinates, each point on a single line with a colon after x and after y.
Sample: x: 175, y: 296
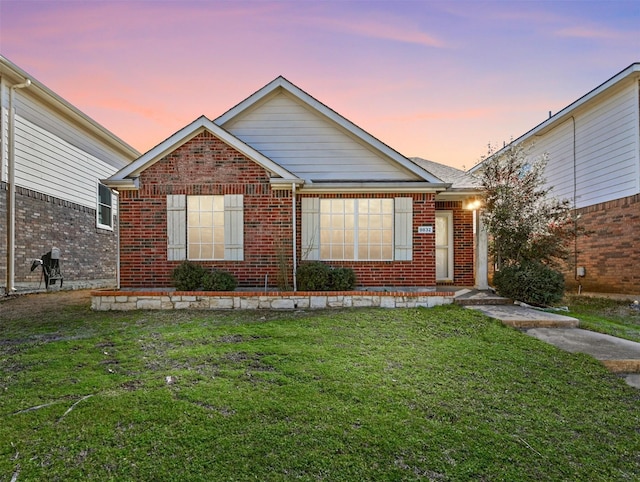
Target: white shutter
x: 233, y: 227
x: 176, y: 227
x: 403, y: 229
x: 310, y: 228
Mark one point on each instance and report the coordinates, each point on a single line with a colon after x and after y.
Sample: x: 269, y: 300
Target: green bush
x: 313, y: 276
x: 317, y: 276
x: 531, y: 282
x: 342, y: 279
x: 188, y: 276
x: 218, y: 280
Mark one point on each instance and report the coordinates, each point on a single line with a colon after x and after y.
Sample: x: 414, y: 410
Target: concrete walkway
x: 521, y: 317
x: 618, y: 355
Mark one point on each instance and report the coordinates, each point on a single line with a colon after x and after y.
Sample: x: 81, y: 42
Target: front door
x: 444, y: 246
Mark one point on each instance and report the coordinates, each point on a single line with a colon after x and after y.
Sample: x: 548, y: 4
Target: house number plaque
x: 425, y: 229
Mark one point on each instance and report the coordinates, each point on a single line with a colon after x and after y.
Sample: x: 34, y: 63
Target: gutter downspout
x: 11, y: 211
x: 295, y: 236
x: 117, y: 193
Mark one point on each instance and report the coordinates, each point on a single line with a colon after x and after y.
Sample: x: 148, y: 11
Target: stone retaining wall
x: 209, y: 300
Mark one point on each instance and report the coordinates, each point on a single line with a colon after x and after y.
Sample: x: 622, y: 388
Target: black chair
x: 50, y: 263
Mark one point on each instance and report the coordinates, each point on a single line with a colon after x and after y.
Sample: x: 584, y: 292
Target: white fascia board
x: 57, y: 103
x: 121, y: 184
x: 187, y: 133
x: 373, y: 187
x: 458, y: 194
x: 562, y: 115
x: 329, y: 113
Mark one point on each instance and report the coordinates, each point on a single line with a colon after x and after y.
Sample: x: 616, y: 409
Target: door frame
x: 450, y: 271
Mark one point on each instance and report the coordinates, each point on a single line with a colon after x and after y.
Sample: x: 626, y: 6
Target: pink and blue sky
x: 438, y: 80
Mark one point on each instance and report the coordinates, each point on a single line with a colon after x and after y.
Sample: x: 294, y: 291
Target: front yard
x: 362, y: 394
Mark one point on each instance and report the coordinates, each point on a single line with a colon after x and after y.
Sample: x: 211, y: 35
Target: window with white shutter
x: 203, y: 228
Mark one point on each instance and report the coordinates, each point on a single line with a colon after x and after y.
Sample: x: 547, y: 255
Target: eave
x: 372, y: 187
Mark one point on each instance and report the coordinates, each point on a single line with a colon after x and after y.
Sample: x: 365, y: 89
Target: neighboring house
x: 51, y: 159
x: 281, y: 179
x: 594, y: 161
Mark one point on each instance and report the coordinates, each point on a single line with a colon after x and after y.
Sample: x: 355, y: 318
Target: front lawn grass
x: 361, y: 394
x: 612, y: 317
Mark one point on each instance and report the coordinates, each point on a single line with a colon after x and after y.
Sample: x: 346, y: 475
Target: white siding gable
x: 605, y: 136
x: 310, y: 145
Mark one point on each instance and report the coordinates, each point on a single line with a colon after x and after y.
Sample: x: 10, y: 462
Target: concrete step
x: 523, y: 318
x: 469, y: 297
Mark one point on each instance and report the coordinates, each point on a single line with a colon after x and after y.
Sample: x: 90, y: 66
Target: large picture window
x: 356, y: 229
x: 104, y: 211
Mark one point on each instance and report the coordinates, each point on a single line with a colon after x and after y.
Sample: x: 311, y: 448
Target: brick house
x: 281, y: 179
x: 51, y: 159
x: 593, y: 147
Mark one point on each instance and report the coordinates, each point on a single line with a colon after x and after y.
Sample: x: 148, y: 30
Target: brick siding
x: 42, y: 222
x: 205, y: 165
x: 610, y: 251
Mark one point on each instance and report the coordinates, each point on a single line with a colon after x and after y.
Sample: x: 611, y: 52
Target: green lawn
x: 613, y: 317
x: 362, y: 394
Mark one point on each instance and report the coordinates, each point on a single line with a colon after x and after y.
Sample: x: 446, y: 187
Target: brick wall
x: 42, y: 221
x: 610, y: 251
x: 205, y: 165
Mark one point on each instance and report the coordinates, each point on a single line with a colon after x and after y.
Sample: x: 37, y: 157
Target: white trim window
x: 104, y: 207
x: 204, y: 228
x: 375, y: 229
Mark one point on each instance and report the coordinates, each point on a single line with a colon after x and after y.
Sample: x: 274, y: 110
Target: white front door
x: 444, y: 246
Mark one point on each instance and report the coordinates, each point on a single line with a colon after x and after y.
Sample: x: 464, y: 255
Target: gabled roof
x: 633, y: 71
x: 126, y: 178
x: 317, y: 106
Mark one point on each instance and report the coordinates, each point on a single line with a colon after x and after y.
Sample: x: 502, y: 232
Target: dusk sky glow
x: 438, y: 80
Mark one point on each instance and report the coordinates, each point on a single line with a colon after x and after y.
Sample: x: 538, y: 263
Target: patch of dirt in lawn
x: 15, y: 307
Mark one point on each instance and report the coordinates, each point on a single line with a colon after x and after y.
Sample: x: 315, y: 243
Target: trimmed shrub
x: 317, y: 276
x: 188, y: 276
x: 531, y: 282
x: 342, y: 279
x: 313, y: 276
x: 219, y: 280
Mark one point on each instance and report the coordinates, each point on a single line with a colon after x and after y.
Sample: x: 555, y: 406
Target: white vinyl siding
x: 47, y: 164
x: 607, y: 150
x: 49, y: 120
x: 309, y: 145
x: 357, y: 229
x: 191, y: 228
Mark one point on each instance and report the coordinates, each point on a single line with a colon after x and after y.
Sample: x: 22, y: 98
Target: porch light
x: 473, y: 205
